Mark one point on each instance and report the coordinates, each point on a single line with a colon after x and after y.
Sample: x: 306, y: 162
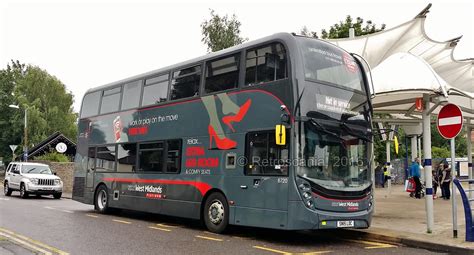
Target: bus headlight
x: 305, y: 190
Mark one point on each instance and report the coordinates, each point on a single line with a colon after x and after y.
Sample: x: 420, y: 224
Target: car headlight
x: 34, y: 181
x: 57, y: 182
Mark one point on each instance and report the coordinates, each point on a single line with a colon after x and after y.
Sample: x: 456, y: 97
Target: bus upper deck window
x: 90, y: 104
x: 186, y: 82
x: 110, y: 100
x: 265, y: 64
x: 222, y: 74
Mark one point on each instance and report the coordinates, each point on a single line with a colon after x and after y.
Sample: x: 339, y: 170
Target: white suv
x: 32, y: 178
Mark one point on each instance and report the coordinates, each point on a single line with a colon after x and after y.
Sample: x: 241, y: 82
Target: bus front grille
x: 46, y: 182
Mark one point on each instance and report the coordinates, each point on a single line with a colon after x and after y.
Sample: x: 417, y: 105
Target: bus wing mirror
x: 280, y: 134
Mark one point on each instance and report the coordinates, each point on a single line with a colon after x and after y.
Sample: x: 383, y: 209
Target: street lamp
x: 26, y: 130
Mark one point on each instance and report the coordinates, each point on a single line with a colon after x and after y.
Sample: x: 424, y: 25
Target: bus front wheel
x: 216, y: 213
x: 102, y: 199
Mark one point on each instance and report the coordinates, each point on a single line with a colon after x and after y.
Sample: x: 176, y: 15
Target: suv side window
x: 15, y: 169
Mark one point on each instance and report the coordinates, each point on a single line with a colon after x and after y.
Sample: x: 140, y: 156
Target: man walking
x: 415, y: 173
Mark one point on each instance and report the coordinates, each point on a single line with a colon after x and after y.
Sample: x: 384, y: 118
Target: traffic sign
x: 449, y: 121
x: 13, y: 147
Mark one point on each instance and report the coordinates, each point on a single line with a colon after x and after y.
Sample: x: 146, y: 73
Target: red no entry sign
x: 449, y: 121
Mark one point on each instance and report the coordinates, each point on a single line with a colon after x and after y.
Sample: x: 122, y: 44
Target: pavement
x: 401, y: 219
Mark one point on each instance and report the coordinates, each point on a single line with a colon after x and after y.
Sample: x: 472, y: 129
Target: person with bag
x: 445, y: 181
x: 415, y: 173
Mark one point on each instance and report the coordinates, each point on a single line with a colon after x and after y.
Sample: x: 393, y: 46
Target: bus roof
x: 287, y: 38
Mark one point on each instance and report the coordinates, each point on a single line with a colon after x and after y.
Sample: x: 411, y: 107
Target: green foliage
x: 54, y: 157
x: 221, y: 32
x: 437, y: 152
x: 48, y: 104
x: 341, y: 29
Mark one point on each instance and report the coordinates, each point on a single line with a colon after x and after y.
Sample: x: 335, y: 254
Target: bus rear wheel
x: 101, y: 200
x: 216, y: 213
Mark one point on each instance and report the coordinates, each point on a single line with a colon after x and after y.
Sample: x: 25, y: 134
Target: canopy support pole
x: 427, y: 165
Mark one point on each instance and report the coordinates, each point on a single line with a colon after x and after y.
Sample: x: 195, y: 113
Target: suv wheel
x: 6, y: 190
x: 23, y: 192
x: 57, y: 195
x: 102, y: 200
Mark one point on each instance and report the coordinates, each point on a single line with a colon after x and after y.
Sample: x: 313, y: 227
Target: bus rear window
x: 326, y: 63
x: 90, y: 104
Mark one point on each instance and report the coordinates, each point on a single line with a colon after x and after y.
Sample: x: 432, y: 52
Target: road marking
x: 91, y: 215
x: 287, y: 253
x: 4, y: 199
x: 271, y: 250
x: 374, y: 245
x: 56, y: 209
x: 122, y: 221
x: 21, y: 242
x: 210, y: 238
x: 166, y: 226
x: 38, y: 243
x: 162, y: 229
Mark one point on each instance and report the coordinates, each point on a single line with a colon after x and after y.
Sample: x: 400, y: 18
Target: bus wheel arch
x: 215, y: 211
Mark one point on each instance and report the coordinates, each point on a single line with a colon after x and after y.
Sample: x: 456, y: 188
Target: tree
x: 341, y: 29
x: 44, y: 96
x: 221, y: 32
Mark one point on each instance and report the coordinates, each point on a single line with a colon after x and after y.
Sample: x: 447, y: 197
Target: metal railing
x: 467, y: 208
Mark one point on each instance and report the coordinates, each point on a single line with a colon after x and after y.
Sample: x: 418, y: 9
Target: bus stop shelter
x: 413, y: 77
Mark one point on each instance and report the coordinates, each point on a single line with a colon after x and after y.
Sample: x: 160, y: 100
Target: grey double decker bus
x: 273, y: 133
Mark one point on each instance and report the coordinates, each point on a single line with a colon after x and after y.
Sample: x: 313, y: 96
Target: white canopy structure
x: 407, y: 66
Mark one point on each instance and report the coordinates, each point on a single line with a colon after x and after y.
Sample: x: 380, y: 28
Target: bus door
x: 263, y: 199
x: 90, y: 171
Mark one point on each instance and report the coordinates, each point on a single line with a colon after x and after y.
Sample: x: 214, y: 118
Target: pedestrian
x: 440, y: 177
x: 415, y: 173
x: 386, y: 175
x: 434, y: 177
x: 445, y: 181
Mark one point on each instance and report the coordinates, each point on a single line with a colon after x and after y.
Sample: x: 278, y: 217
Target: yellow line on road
x: 92, y: 215
x: 210, y: 238
x: 38, y: 243
x: 314, y: 252
x: 67, y: 211
x: 271, y: 250
x: 122, y: 221
x: 375, y: 245
x: 162, y: 229
x: 24, y: 243
x: 166, y: 226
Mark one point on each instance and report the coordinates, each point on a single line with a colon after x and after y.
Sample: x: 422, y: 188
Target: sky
x: 87, y: 44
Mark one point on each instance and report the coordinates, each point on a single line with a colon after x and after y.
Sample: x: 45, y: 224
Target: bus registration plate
x: 345, y: 223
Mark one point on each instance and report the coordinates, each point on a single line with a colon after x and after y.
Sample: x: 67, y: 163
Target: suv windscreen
x: 35, y: 169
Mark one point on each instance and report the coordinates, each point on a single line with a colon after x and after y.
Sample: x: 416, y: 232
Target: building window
x: 126, y: 157
x: 265, y: 157
x: 131, y: 95
x: 110, y: 100
x: 105, y: 159
x: 90, y: 104
x: 265, y: 64
x: 222, y: 74
x: 186, y: 82
x: 155, y: 90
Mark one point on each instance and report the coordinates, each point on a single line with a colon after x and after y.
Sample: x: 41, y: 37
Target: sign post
x: 449, y: 125
x: 13, y: 148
